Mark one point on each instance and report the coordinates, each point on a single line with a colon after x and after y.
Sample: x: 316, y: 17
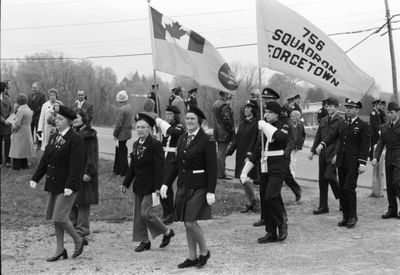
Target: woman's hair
x: 53, y: 91
x: 83, y: 114
x: 22, y: 99
x: 177, y: 118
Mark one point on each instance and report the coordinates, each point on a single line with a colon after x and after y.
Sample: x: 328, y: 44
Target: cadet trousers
x: 392, y: 169
x: 348, y: 183
x: 327, y: 176
x: 80, y: 218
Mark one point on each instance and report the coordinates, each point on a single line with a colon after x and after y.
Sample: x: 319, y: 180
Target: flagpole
x: 261, y: 115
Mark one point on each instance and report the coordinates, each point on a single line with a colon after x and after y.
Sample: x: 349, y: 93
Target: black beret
x: 290, y: 99
x: 269, y: 93
x: 274, y: 106
x: 196, y: 111
x: 66, y: 112
x: 194, y: 90
x: 144, y: 116
x: 332, y: 101
x: 348, y: 102
x: 251, y: 104
x: 296, y: 97
x: 393, y: 106
x: 172, y: 108
x: 376, y: 101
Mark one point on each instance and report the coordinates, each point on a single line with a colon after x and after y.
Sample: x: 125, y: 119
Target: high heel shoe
x: 79, y: 250
x: 63, y: 254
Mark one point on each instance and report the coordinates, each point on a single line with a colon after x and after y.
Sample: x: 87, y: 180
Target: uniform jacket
x: 63, y: 162
x: 224, y: 124
x: 353, y: 146
x: 382, y: 116
x: 389, y: 137
x: 191, y: 100
x: 197, y: 163
x: 171, y: 140
x: 87, y: 107
x: 374, y: 123
x: 35, y: 102
x: 321, y: 114
x: 21, y: 138
x: 146, y: 170
x: 300, y: 136
x: 6, y: 109
x: 123, y: 123
x: 89, y: 191
x: 328, y: 135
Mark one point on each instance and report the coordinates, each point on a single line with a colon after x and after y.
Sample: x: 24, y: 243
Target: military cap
x: 274, y: 106
x: 383, y: 102
x: 393, y: 106
x: 66, y: 112
x: 145, y: 117
x: 350, y: 103
x: 269, y: 93
x: 251, y: 103
x: 194, y: 90
x: 196, y: 111
x: 172, y: 108
x: 332, y: 101
x: 296, y: 96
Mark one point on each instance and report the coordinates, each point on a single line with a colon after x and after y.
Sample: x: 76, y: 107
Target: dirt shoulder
x: 315, y: 245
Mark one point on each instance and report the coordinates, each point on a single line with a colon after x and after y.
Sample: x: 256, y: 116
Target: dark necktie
x: 391, y: 125
x: 189, y: 139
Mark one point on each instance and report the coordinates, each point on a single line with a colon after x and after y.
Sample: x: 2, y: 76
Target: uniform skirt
x: 59, y: 207
x: 191, y: 205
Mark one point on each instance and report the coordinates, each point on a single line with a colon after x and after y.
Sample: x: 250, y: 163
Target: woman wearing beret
x: 89, y: 190
x: 145, y: 174
x: 63, y: 163
x: 197, y: 177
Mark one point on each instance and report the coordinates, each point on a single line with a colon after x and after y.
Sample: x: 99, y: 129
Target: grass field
x: 23, y: 207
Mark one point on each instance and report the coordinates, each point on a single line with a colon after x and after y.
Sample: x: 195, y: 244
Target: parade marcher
x: 82, y: 103
x: 122, y: 133
x: 179, y: 103
x: 276, y: 136
x: 145, y: 174
x: 63, y: 162
x: 155, y: 98
x: 326, y: 149
x: 299, y: 138
x: 22, y: 146
x: 35, y: 102
x: 171, y: 129
x: 243, y: 143
x: 255, y: 99
x: 47, y: 111
x: 351, y: 159
x: 374, y: 124
x: 224, y: 130
x: 5, y: 126
x: 382, y: 115
x: 191, y: 99
x: 296, y: 106
x: 197, y: 178
x: 88, y: 193
x: 322, y: 112
x: 287, y: 108
x: 390, y: 137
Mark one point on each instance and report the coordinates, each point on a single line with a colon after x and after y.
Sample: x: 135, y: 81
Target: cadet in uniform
x: 390, y: 137
x: 374, y: 124
x: 382, y: 108
x: 326, y: 149
x: 277, y: 136
x: 351, y: 159
x: 197, y: 177
x: 322, y: 112
x: 171, y: 129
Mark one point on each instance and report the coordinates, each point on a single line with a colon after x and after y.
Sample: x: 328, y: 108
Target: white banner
x: 289, y: 43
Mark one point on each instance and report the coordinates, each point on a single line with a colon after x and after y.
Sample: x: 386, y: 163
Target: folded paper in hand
x: 156, y: 199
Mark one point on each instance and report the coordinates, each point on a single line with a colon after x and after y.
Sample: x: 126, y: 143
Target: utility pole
x: 392, y: 57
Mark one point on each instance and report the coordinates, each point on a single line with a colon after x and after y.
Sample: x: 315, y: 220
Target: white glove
x: 162, y: 125
x: 210, y: 198
x: 163, y: 191
x: 374, y: 161
x: 67, y: 192
x: 243, y: 178
x: 361, y: 169
x: 245, y: 171
x: 267, y: 128
x: 158, y: 121
x: 32, y: 184
x: 319, y: 149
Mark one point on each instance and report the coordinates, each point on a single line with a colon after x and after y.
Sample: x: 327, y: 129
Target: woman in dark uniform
x: 145, y: 174
x: 62, y: 161
x: 197, y: 177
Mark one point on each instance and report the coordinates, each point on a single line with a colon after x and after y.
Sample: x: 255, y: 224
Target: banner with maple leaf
x: 181, y: 51
x: 289, y: 43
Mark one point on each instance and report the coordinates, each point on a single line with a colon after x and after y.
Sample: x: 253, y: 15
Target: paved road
x: 305, y: 169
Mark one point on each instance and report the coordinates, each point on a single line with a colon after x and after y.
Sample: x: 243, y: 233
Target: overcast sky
x: 83, y: 28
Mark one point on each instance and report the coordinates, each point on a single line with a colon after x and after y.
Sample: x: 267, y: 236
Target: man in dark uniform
x: 390, y: 137
x: 382, y: 108
x: 276, y: 137
x: 322, y: 112
x: 296, y: 100
x: 351, y: 159
x: 191, y: 99
x: 155, y: 98
x: 374, y: 124
x: 326, y: 149
x: 287, y: 108
x: 171, y: 129
x: 35, y: 101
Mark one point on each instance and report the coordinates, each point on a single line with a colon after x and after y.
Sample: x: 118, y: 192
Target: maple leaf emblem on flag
x: 175, y: 30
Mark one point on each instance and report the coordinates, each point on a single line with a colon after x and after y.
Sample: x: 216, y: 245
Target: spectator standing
x: 81, y: 103
x: 179, y: 103
x: 224, y: 130
x: 374, y: 124
x: 22, y: 146
x: 191, y: 99
x: 322, y: 112
x: 296, y: 105
x: 154, y: 96
x: 299, y: 138
x: 35, y: 102
x: 5, y: 126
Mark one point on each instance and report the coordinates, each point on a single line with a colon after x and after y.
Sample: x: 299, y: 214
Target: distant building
x: 310, y: 112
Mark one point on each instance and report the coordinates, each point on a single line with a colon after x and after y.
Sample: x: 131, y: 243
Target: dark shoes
x: 79, y: 248
x: 63, y: 254
x: 351, y: 222
x: 283, y: 232
x: 168, y: 219
x: 167, y: 238
x: 143, y: 246
x: 225, y: 178
x: 389, y: 215
x: 268, y: 238
x: 203, y: 260
x: 188, y: 263
x: 259, y: 223
x: 321, y: 210
x: 342, y: 222
x: 298, y: 196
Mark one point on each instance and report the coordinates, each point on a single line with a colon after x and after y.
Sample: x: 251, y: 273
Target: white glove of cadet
x: 33, y: 184
x: 67, y: 192
x: 267, y: 129
x: 210, y: 198
x: 158, y: 121
x: 243, y: 178
x: 163, y: 191
x: 245, y: 171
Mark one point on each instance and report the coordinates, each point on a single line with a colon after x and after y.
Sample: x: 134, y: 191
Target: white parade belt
x: 273, y: 153
x: 198, y: 171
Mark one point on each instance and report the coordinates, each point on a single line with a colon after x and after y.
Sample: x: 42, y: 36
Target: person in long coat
x: 45, y: 128
x: 243, y: 143
x: 35, y: 102
x: 145, y: 174
x: 122, y: 133
x: 197, y: 177
x: 88, y: 193
x: 22, y: 146
x: 63, y: 163
x: 6, y: 111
